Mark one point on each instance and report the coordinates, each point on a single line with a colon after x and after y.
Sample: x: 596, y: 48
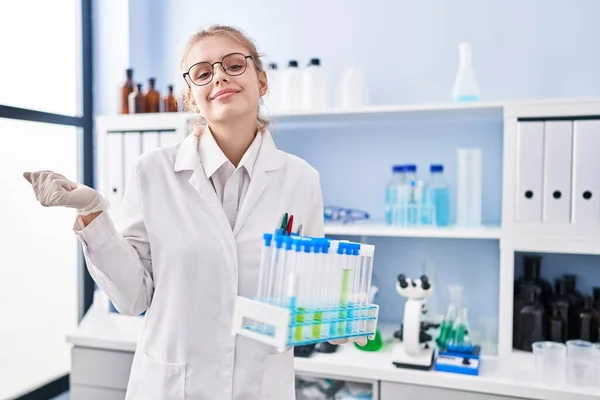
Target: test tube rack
x: 310, y: 290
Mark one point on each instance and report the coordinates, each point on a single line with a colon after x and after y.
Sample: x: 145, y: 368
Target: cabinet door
x: 81, y: 392
x: 401, y: 391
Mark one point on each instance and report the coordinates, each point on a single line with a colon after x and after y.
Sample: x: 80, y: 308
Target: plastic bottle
x: 314, y: 81
x: 436, y: 199
x: 410, y: 197
x: 466, y: 87
x: 291, y: 86
x: 272, y: 100
x: 351, y: 92
x: 391, y: 193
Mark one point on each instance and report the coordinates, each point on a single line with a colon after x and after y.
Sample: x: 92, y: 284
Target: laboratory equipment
x: 564, y: 306
x: 550, y: 362
x: 152, y: 97
x: 582, y: 365
x: 169, y: 102
x: 529, y: 320
x: 351, y: 92
x: 126, y: 89
x: 468, y: 198
x: 588, y: 321
x: 291, y: 87
x: 315, y: 89
x: 392, y: 192
x: 454, y: 307
x: 596, y: 295
x: 310, y: 290
x: 376, y: 343
x: 436, y: 199
x: 344, y: 215
x: 531, y: 277
x: 465, y: 87
x: 137, y: 100
x: 416, y: 349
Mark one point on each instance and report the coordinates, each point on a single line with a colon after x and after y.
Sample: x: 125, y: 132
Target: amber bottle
x: 126, y: 89
x: 169, y: 102
x: 137, y: 100
x: 152, y: 97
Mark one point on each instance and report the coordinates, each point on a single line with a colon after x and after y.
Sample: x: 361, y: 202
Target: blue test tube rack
x: 310, y: 290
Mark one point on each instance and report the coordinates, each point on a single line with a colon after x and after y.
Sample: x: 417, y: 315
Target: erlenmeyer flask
x: 461, y: 333
x: 451, y: 315
x: 466, y: 87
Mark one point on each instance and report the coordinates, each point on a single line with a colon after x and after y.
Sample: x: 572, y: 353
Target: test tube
x: 345, y: 274
x: 368, y: 252
x: 301, y: 269
x: 325, y: 287
x: 273, y: 268
x: 356, y: 282
x: 283, y: 271
x: 334, y: 295
x: 317, y: 288
x: 263, y: 272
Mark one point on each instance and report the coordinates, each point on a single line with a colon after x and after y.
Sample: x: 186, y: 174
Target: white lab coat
x: 177, y: 256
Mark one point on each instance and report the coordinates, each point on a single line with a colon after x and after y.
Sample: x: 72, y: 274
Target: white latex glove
x: 52, y: 190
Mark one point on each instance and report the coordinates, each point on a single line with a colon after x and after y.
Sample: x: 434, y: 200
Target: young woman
x: 192, y: 220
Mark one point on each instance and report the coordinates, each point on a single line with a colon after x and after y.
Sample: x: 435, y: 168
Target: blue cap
x: 398, y: 168
x: 267, y: 237
x: 317, y: 245
x: 341, y: 247
x: 298, y: 244
x: 308, y: 246
x: 411, y: 168
x: 288, y: 242
x: 436, y: 168
x: 326, y: 245
x: 279, y: 241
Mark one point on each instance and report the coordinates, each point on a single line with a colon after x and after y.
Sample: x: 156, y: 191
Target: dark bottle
x: 152, y: 97
x: 169, y: 102
x: 576, y: 301
x: 530, y: 321
x: 588, y: 321
x: 556, y: 327
x: 126, y: 89
x: 137, y: 101
x: 531, y: 276
x: 564, y: 304
x: 572, y: 290
x: 596, y: 293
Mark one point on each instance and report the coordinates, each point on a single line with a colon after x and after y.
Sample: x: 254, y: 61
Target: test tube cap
x: 267, y: 237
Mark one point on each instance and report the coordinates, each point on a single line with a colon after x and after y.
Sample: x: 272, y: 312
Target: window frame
x: 85, y: 122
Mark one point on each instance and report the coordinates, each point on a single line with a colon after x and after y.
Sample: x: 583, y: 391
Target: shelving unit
x: 512, y: 236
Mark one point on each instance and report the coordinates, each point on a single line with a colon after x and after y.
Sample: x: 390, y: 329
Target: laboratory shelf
x: 381, y: 229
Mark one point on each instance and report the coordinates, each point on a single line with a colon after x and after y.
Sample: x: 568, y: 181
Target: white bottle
x: 314, y: 80
x: 466, y: 87
x: 291, y: 88
x: 272, y: 100
x: 351, y: 91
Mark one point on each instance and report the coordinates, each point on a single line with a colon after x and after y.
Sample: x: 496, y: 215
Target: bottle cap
x: 315, y: 62
x: 273, y: 66
x: 399, y: 168
x: 436, y: 168
x: 267, y: 237
x: 170, y: 87
x: 411, y: 168
x: 129, y: 72
x: 139, y: 86
x: 152, y: 81
x: 293, y: 64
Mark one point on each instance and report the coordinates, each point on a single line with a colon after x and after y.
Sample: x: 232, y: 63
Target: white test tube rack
x: 310, y: 290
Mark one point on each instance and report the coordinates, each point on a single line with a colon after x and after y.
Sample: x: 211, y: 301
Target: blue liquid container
x: 436, y: 197
x: 391, y: 193
x: 410, y: 209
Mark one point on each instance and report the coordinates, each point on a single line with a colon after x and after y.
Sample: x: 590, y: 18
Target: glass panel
x: 42, y: 39
x: 38, y: 271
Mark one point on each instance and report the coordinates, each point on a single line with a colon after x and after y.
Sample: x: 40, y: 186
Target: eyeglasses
x: 202, y: 73
x: 344, y: 215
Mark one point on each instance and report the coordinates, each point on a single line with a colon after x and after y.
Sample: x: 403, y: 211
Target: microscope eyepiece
x: 402, y: 281
x: 425, y: 282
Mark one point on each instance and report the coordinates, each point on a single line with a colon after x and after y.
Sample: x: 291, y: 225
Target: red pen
x: 289, y: 225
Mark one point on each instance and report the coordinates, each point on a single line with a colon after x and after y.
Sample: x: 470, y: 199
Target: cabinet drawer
x: 100, y: 368
x: 401, y: 391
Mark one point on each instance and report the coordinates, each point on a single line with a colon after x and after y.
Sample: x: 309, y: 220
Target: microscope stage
x: 423, y: 361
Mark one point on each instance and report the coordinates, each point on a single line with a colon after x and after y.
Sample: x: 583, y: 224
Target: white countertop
x: 508, y: 377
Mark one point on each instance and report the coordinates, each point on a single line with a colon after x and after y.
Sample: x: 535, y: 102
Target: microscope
x: 415, y: 349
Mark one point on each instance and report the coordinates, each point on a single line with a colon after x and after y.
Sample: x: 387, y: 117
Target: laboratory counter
x: 103, y: 346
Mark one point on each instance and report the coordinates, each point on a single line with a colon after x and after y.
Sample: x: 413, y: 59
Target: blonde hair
x: 240, y: 37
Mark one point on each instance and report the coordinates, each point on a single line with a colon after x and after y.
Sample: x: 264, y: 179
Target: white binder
x: 149, y: 141
x: 558, y: 142
x: 586, y: 173
x: 167, y: 138
x: 530, y: 164
x: 115, y: 184
x: 132, y: 150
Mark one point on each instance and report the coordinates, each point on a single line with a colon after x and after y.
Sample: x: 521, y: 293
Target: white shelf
x: 375, y: 229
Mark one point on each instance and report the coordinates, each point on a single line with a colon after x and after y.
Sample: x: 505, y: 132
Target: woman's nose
x: 220, y: 75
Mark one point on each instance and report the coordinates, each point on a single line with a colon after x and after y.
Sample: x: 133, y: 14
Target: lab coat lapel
x: 189, y: 159
x: 268, y: 161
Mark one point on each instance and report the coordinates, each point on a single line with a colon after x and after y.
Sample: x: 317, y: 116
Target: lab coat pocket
x: 278, y: 381
x: 161, y: 380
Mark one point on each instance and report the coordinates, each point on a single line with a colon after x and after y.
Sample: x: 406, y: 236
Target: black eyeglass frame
x: 212, y: 66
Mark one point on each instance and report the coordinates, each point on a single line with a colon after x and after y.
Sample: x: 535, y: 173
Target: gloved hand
x: 360, y: 340
x: 52, y: 189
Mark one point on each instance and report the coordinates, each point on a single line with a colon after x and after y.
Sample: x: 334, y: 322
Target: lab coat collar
x: 268, y: 157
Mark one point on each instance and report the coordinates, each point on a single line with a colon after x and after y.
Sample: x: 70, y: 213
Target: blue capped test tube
x: 265, y: 262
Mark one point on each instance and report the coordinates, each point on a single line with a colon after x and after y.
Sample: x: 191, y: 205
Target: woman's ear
x: 263, y: 85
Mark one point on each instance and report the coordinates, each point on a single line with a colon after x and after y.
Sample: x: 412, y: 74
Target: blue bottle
x: 392, y: 194
x: 411, y: 194
x: 437, y: 198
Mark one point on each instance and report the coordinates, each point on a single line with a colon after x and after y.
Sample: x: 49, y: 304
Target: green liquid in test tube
x: 344, y: 289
